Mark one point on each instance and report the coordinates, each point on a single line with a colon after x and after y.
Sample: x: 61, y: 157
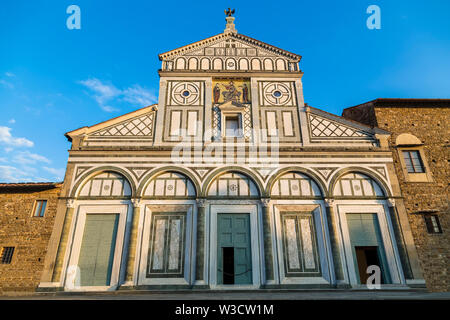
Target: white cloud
x: 7, y: 138
x: 6, y: 84
x: 26, y: 157
x: 13, y: 174
x: 57, y: 173
x: 9, y: 74
x: 139, y: 95
x: 105, y: 92
x: 12, y: 121
x: 108, y: 108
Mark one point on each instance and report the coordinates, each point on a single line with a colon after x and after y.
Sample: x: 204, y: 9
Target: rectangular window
x: 39, y: 208
x: 7, y: 254
x: 232, y: 126
x: 175, y: 123
x: 433, y: 224
x: 413, y: 161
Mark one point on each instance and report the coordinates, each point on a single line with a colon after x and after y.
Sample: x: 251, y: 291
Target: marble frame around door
x: 379, y: 208
x: 71, y: 272
x: 255, y: 239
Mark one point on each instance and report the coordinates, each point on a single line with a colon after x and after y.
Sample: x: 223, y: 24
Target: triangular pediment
x: 230, y: 51
x: 229, y: 44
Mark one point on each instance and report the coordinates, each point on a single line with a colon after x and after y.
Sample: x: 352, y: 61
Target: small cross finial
x: 229, y: 12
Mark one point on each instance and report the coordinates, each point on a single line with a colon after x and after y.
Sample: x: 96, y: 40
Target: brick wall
x: 29, y: 235
x: 432, y: 126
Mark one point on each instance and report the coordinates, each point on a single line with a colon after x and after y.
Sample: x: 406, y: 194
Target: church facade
x: 229, y: 181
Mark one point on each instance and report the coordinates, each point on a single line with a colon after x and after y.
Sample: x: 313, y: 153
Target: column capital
x: 201, y: 203
x: 265, y: 202
x: 136, y: 202
x: 329, y: 202
x: 70, y: 203
x: 391, y: 202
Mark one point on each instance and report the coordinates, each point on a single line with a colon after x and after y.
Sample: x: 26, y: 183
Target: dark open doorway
x: 367, y: 256
x: 228, y: 265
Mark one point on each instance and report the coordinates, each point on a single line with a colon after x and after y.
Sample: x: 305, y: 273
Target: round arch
x: 305, y: 171
x: 95, y: 171
x: 158, y: 171
x: 216, y: 173
x: 337, y: 175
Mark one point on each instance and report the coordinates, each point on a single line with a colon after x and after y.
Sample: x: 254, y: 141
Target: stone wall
x: 432, y: 126
x: 28, y: 234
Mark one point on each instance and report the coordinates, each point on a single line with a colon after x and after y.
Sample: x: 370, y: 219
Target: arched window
x: 233, y: 184
x: 357, y: 185
x: 170, y: 184
x: 295, y: 184
x: 106, y: 184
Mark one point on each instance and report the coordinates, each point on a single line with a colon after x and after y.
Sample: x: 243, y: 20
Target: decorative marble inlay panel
x: 106, y: 184
x: 139, y: 172
x: 291, y: 236
x: 294, y: 184
x: 158, y: 248
x: 380, y: 170
x: 277, y: 93
x: 325, y: 128
x: 185, y: 93
x: 170, y: 184
x: 300, y: 245
x: 167, y: 245
x: 325, y: 172
x: 307, y: 244
x: 357, y: 185
x: 139, y: 126
x: 80, y: 171
x: 233, y: 184
x: 175, y: 238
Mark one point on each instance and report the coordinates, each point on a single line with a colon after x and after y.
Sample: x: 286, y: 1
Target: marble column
x: 406, y: 266
x: 267, y: 232
x: 131, y: 257
x: 334, y: 236
x: 200, y: 256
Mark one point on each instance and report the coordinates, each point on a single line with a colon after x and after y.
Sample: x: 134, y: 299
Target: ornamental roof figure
x: 229, y: 12
x: 230, y: 21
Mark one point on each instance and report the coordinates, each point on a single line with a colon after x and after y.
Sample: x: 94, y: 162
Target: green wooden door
x: 365, y: 231
x: 97, y: 249
x: 233, y: 241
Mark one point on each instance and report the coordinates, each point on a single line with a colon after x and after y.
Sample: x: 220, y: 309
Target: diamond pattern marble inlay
x: 140, y: 126
x: 321, y: 127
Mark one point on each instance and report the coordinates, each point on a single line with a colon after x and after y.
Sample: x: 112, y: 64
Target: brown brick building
x: 420, y: 147
x: 27, y: 214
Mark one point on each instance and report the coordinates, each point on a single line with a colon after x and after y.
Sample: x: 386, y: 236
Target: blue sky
x: 54, y: 80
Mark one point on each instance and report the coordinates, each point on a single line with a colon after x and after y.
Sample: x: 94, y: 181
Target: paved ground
x: 242, y: 295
